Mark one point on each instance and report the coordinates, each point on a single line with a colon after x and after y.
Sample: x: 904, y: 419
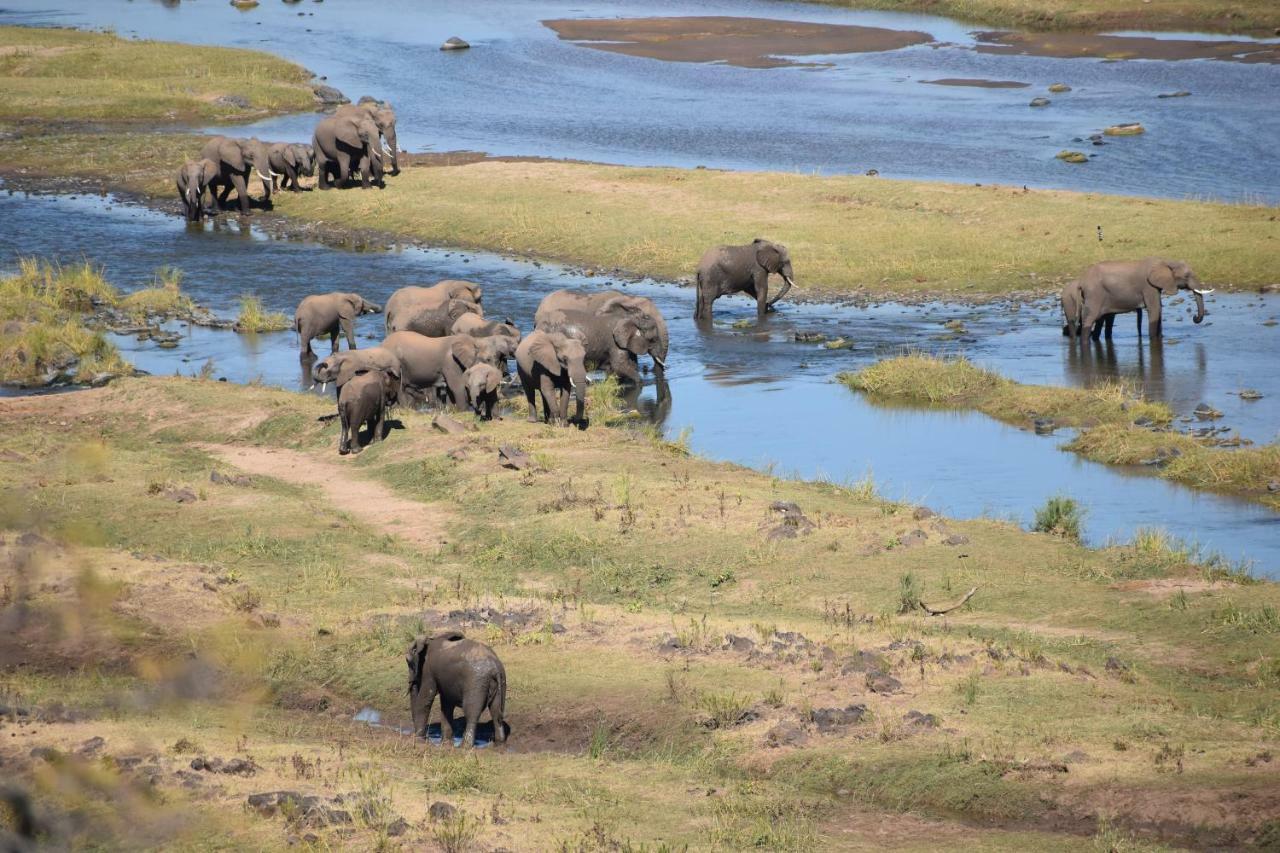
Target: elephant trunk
x: 1199, y: 307
x: 578, y: 380
x: 786, y: 285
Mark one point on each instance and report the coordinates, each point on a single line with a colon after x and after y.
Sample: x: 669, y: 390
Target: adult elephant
x: 238, y: 160
x: 477, y: 327
x: 553, y: 365
x: 341, y: 367
x: 742, y: 269
x: 384, y: 117
x: 463, y: 673
x: 345, y: 144
x: 433, y: 320
x: 408, y: 302
x: 427, y: 363
x: 192, y: 181
x: 330, y: 314
x: 613, y: 328
x: 1118, y: 287
x: 289, y: 161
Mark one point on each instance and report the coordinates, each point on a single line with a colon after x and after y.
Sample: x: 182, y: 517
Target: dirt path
x: 371, y: 503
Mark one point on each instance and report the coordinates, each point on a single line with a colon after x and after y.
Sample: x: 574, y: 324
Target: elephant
x: 409, y: 300
x: 478, y: 327
x: 193, y: 179
x: 482, y: 383
x: 289, y: 161
x: 433, y: 319
x: 329, y: 314
x: 428, y: 362
x: 463, y: 672
x: 238, y: 160
x: 1118, y: 287
x: 384, y: 118
x: 614, y: 328
x: 555, y: 365
x: 733, y: 269
x: 341, y: 367
x: 1073, y: 312
x: 345, y: 144
x: 365, y: 399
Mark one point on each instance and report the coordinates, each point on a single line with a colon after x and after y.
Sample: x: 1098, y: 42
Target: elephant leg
x: 304, y: 340
x: 349, y: 330
x: 333, y: 342
x: 446, y: 721
x: 550, y: 406
x: 562, y: 405
x: 531, y: 395
x: 1091, y: 322
x: 322, y: 173
x: 344, y: 168
x: 426, y: 697
x: 496, y: 712
x: 456, y: 387
x: 472, y: 708
x: 242, y: 189
x: 291, y: 179
x: 1110, y: 324
x: 366, y: 166
x: 380, y: 425
x: 1139, y: 312
x: 344, y: 441
x: 1154, y: 320
x: 762, y: 294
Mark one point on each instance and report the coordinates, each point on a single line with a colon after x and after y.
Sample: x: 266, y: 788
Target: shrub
x: 1060, y: 516
x: 255, y: 318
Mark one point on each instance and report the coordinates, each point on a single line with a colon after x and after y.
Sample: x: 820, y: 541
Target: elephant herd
x: 357, y: 139
x: 439, y: 348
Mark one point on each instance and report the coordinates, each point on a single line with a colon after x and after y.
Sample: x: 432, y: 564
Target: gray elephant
x: 408, y: 301
x: 238, y: 161
x: 553, y: 364
x: 328, y: 314
x: 614, y: 328
x: 482, y: 382
x: 365, y: 400
x: 477, y: 327
x: 427, y: 363
x: 193, y: 179
x: 462, y: 672
x: 341, y: 367
x: 1118, y: 287
x: 435, y: 320
x: 290, y: 161
x: 384, y: 118
x: 1073, y: 312
x: 742, y: 269
x: 345, y: 145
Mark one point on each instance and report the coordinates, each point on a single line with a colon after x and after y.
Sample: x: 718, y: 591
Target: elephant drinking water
x: 1118, y: 287
x: 613, y: 328
x: 238, y: 161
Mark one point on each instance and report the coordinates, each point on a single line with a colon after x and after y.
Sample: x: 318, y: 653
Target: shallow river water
x: 523, y: 90
x: 750, y: 396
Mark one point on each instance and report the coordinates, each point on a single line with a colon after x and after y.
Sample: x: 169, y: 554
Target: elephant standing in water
x: 345, y: 144
x: 554, y: 365
x: 462, y: 672
x: 384, y: 118
x: 329, y: 314
x: 408, y: 302
x: 742, y: 269
x: 1118, y: 287
x: 613, y: 328
x: 238, y: 160
x: 193, y: 179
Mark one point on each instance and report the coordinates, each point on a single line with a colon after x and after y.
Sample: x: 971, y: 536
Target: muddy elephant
x: 365, y: 400
x: 433, y: 319
x: 614, y: 328
x: 192, y: 181
x: 407, y: 301
x: 345, y: 145
x: 384, y: 118
x: 239, y: 160
x: 462, y: 672
x: 482, y: 382
x: 554, y: 365
x: 341, y: 367
x: 1118, y: 287
x: 427, y: 363
x: 290, y: 161
x: 742, y: 269
x: 478, y: 327
x: 328, y: 314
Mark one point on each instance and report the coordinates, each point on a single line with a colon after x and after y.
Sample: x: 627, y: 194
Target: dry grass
x: 253, y: 317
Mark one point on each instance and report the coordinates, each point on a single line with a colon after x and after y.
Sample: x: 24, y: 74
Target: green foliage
x: 909, y: 591
x: 1059, y: 516
x: 254, y: 318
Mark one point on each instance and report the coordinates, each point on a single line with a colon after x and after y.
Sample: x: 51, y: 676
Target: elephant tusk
x: 313, y: 387
x: 660, y: 362
x: 1202, y: 292
x: 324, y: 387
x: 264, y: 177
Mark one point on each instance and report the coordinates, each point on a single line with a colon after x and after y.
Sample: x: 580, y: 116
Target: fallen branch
x: 938, y: 611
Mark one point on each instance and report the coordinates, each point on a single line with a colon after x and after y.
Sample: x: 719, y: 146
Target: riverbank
x: 1114, y: 426
x: 217, y: 520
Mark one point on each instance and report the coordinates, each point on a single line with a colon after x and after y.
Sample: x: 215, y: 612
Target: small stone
x: 514, y: 458
x: 450, y: 425
x: 230, y: 479
x: 397, y: 827
x: 1250, y: 394
x: 1130, y: 129
x: 883, y: 683
x: 808, y: 337
x: 329, y: 96
x: 912, y: 539
x: 454, y: 43
x: 733, y: 642
x: 1039, y: 102
x: 1072, y: 157
x: 263, y: 619
x: 91, y: 746
x: 1059, y: 87
x: 181, y: 496
x: 240, y: 102
x: 46, y: 753
x: 440, y: 810
x: 920, y: 721
x: 956, y: 539
x: 922, y: 512
x: 838, y: 343
x: 1044, y: 426
x: 785, y: 734
x: 1205, y: 412
x: 1273, y: 486
x: 830, y: 719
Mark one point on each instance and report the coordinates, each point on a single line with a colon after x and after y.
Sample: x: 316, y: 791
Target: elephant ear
x: 208, y: 169
x: 1161, y: 276
x: 620, y: 302
x: 347, y: 134
x: 543, y: 350
x: 464, y: 350
x: 391, y: 384
x: 232, y: 154
x: 290, y: 156
x: 349, y: 306
x: 458, y: 307
x: 416, y: 658
x: 627, y: 335
x: 768, y: 256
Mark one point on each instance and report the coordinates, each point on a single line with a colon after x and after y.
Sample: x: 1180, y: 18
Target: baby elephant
x: 482, y: 382
x: 464, y: 673
x: 193, y: 179
x: 362, y: 400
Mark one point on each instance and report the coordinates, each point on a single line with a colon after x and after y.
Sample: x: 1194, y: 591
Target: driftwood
x: 938, y: 611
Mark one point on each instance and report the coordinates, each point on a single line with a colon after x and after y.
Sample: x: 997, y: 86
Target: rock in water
x: 329, y: 96
x: 1059, y: 87
x: 1174, y: 95
x: 1039, y: 102
x: 454, y: 43
x: 1072, y: 157
x: 1133, y: 128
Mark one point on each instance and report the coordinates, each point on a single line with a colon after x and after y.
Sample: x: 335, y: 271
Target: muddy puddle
x: 753, y: 396
x: 524, y: 90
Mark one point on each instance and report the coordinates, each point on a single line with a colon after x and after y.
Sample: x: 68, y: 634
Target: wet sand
x: 745, y: 42
x: 978, y: 83
x: 1088, y: 45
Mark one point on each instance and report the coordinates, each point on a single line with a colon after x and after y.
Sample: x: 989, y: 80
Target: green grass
x: 1060, y: 516
x: 1105, y: 416
x: 253, y: 317
x: 67, y: 75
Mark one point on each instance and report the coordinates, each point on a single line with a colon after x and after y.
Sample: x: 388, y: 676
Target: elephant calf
x: 329, y: 314
x: 193, y: 180
x: 364, y: 400
x: 463, y: 672
x: 482, y: 382
x: 290, y: 160
x: 554, y: 365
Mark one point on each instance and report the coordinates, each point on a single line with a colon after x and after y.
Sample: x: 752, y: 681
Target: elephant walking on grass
x: 482, y: 381
x: 290, y: 161
x: 193, y: 179
x: 1118, y: 287
x: 341, y: 367
x: 365, y: 400
x: 462, y: 672
x: 238, y: 161
x: 329, y: 314
x: 742, y: 269
x: 344, y: 145
x: 384, y: 118
x: 613, y: 328
x: 553, y: 365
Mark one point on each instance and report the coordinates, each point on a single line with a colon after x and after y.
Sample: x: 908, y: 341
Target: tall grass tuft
x: 255, y: 318
x: 1060, y: 516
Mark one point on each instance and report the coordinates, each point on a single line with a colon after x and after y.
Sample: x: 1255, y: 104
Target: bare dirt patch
x: 1163, y: 587
x: 1093, y: 46
x: 745, y: 42
x: 371, y: 503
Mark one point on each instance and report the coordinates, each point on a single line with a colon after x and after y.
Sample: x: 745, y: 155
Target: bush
x: 255, y: 318
x: 1060, y: 516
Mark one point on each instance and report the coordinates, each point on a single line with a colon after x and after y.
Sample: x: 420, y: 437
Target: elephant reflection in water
x: 654, y: 410
x: 1097, y: 361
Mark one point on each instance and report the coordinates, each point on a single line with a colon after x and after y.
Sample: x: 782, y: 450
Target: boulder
x: 454, y: 43
x: 1059, y: 87
x: 1039, y: 102
x: 329, y: 96
x: 1072, y: 157
x: 1132, y: 128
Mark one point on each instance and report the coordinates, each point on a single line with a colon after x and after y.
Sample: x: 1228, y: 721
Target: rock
x: 1076, y: 756
x: 329, y: 96
x: 514, y: 458
x: 956, y: 539
x: 872, y: 173
x: 883, y: 683
x: 46, y: 753
x: 1174, y: 95
x: 922, y: 512
x: 912, y: 539
x: 230, y: 479
x: 1273, y: 486
x: 1044, y: 426
x: 1205, y: 412
x: 240, y: 767
x: 785, y: 734
x: 1130, y: 129
x: 1114, y: 664
x: 735, y: 643
x: 838, y: 343
x: 440, y: 810
x: 101, y: 379
x: 831, y: 719
x: 793, y: 521
x: 244, y: 4
x: 1039, y: 102
x: 668, y: 643
x: 91, y: 746
x: 1250, y: 394
x: 397, y: 827
x: 1059, y: 87
x: 919, y: 720
x: 240, y: 102
x: 808, y: 337
x: 454, y: 43
x: 263, y: 619
x: 1072, y: 157
x: 450, y: 425
x: 181, y: 496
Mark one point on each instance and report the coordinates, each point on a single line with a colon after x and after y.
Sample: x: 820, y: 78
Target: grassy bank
x: 56, y: 75
x: 1078, y: 697
x: 1105, y: 416
x: 1258, y: 17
